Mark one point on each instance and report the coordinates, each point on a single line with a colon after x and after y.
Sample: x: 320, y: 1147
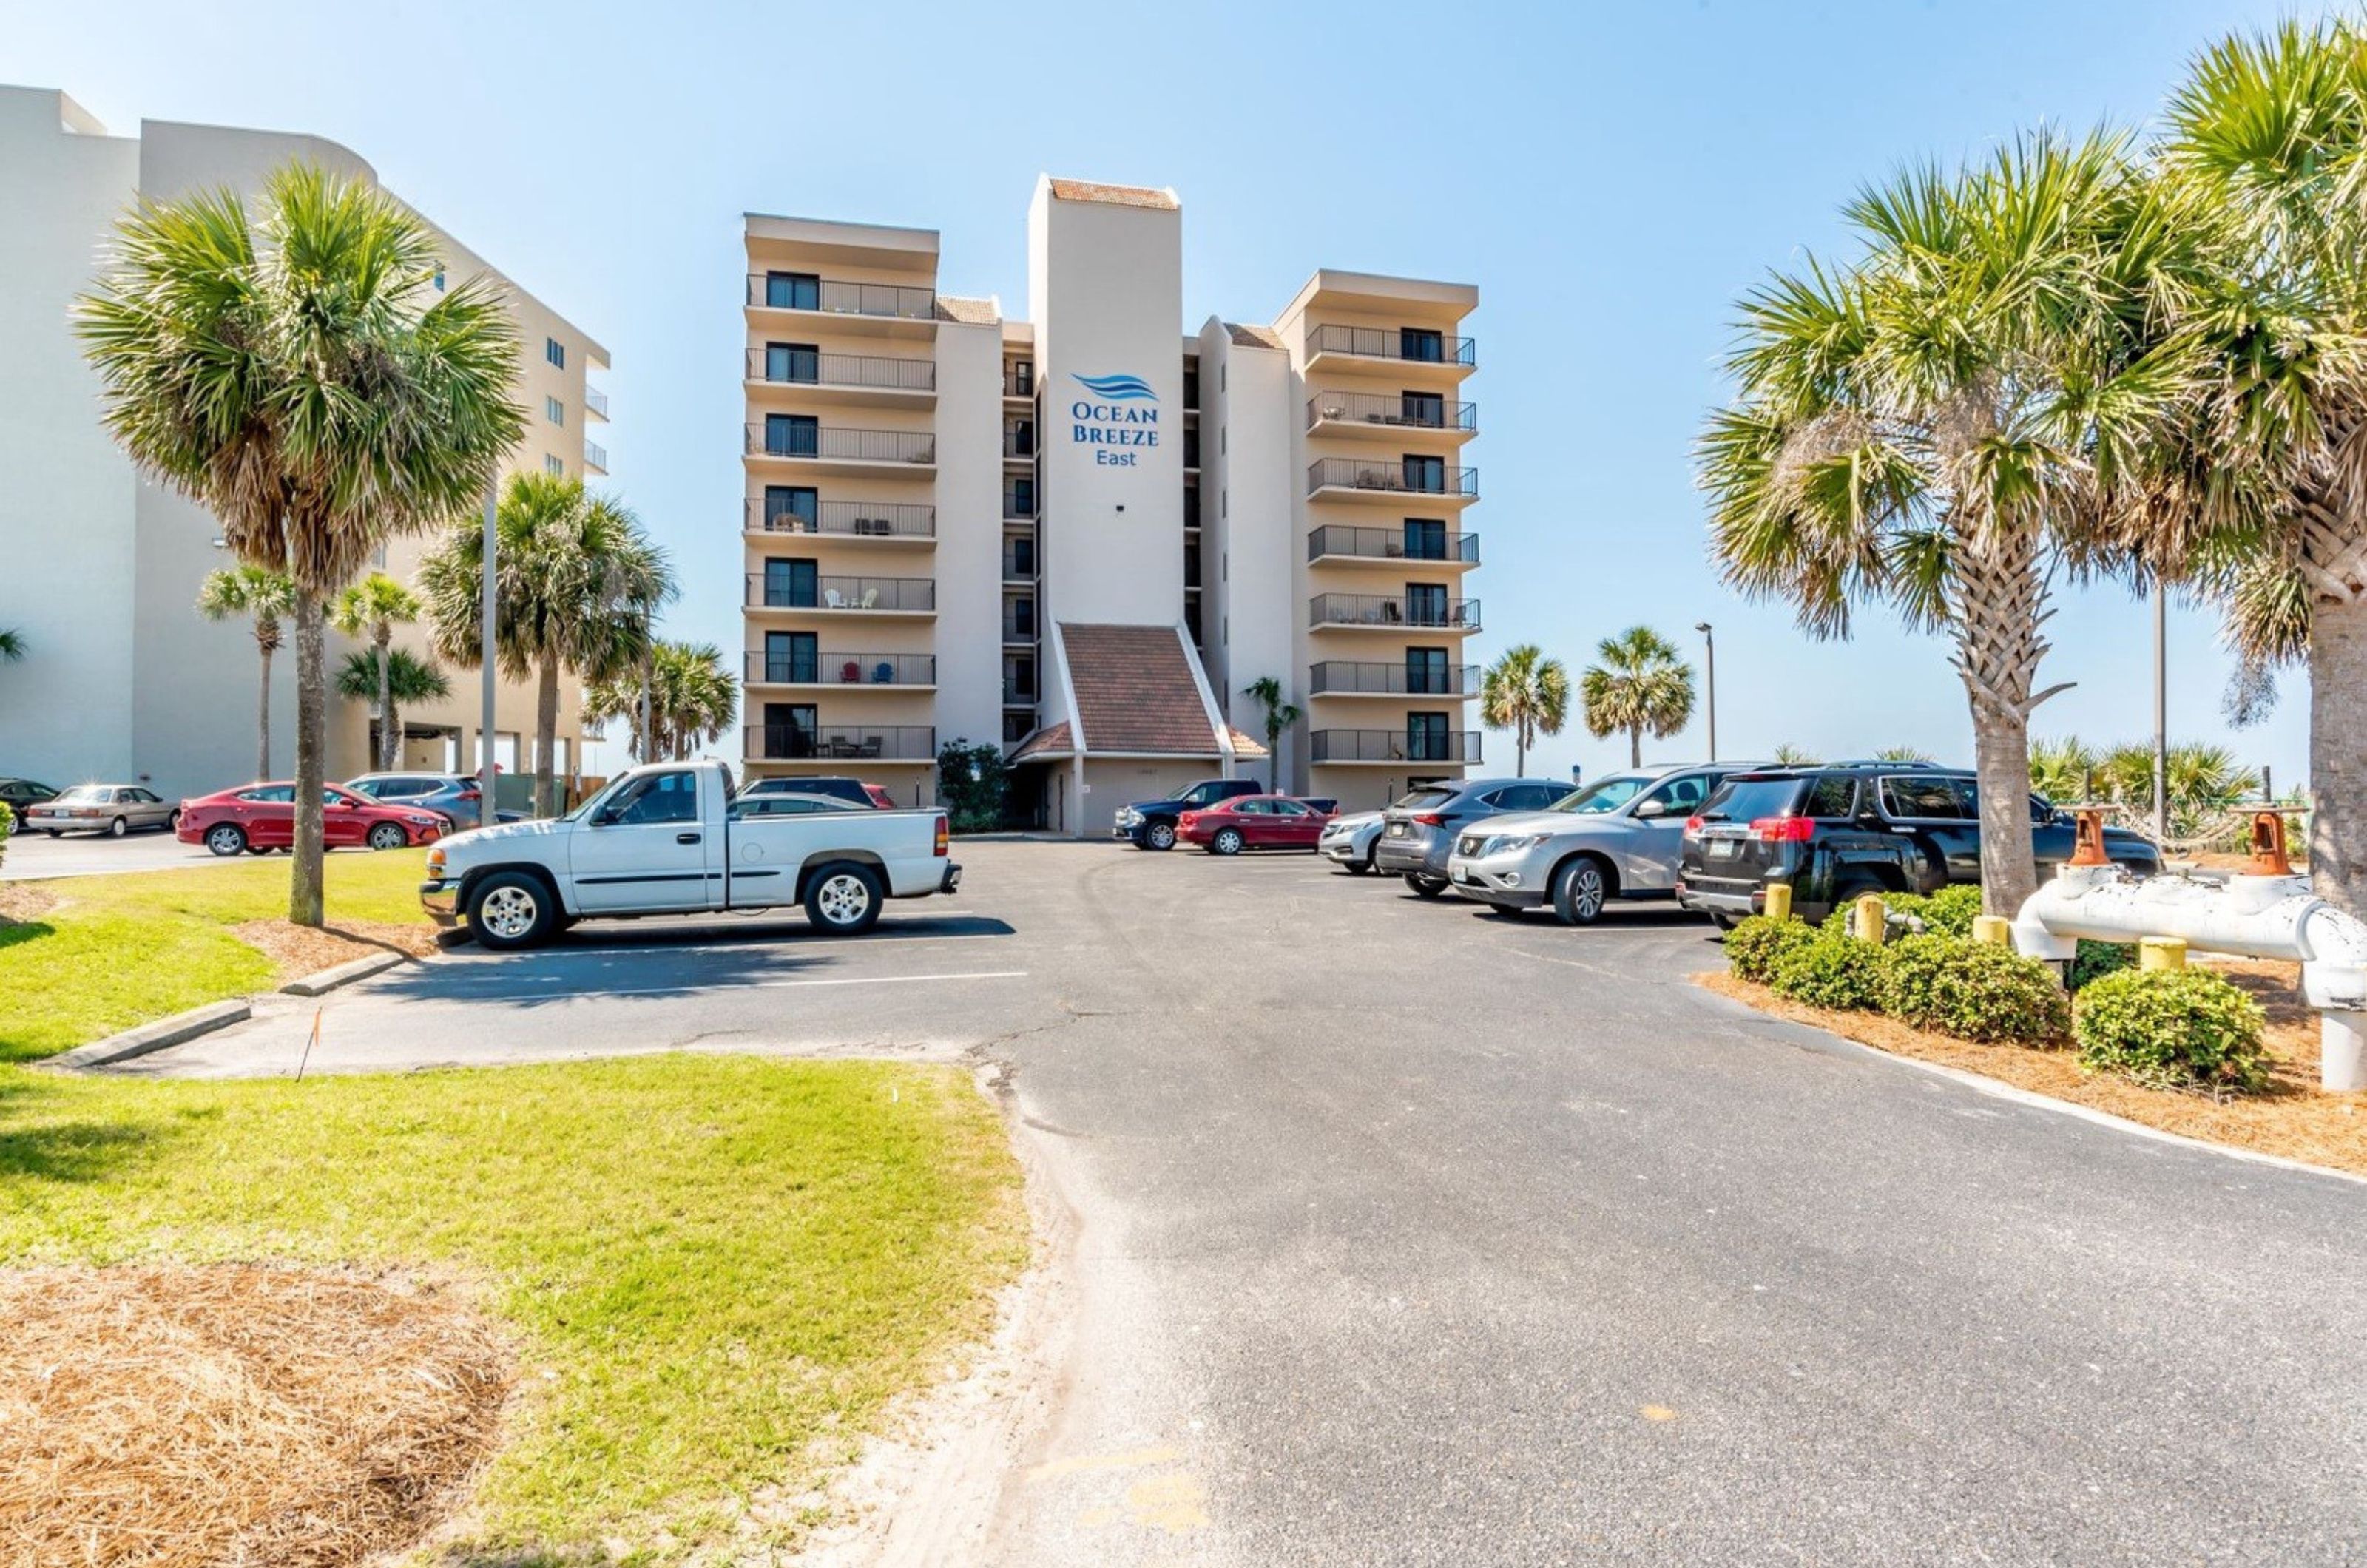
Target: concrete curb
x: 327, y: 981
x: 156, y: 1036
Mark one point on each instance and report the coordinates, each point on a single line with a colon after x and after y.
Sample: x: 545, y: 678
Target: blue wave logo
x: 1117, y: 389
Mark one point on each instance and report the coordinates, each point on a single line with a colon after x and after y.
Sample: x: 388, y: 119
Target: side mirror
x: 607, y: 817
x: 1650, y: 809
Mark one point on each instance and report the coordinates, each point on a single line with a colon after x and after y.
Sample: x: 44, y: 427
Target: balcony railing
x: 844, y: 742
x: 1019, y: 628
x: 841, y: 443
x: 853, y: 519
x: 1394, y: 746
x: 596, y: 457
x: 1393, y: 544
x: 1377, y: 408
x: 1018, y: 506
x: 1391, y: 342
x: 875, y: 593
x: 1019, y: 379
x: 1017, y: 693
x: 827, y: 669
x: 597, y: 401
x: 1378, y: 678
x: 805, y: 367
x: 1387, y: 611
x: 1018, y: 441
x: 1390, y: 474
x: 1015, y: 570
x: 832, y: 298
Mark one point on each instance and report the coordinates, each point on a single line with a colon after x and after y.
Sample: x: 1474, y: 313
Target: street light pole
x: 1709, y: 649
x: 2160, y: 712
x: 485, y: 770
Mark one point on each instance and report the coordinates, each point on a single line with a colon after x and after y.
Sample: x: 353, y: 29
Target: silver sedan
x: 1347, y: 841
x: 111, y: 809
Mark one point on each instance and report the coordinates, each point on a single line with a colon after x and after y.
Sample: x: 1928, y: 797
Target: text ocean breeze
x: 1113, y: 426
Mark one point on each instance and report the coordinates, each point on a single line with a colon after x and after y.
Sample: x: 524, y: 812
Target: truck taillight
x: 945, y: 837
x: 1784, y: 829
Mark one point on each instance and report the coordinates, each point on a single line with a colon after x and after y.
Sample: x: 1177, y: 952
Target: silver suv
x: 1619, y: 837
x: 1418, y: 834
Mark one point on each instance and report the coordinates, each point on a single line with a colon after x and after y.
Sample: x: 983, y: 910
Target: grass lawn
x: 708, y: 1263
x: 89, y: 956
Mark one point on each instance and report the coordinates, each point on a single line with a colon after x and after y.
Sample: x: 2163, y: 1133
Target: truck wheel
x: 510, y: 909
x: 1159, y: 836
x: 1228, y: 841
x: 1579, y: 890
x: 1428, y: 887
x: 844, y: 899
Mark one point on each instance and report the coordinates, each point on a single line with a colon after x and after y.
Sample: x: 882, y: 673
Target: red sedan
x: 1253, y: 822
x: 260, y: 816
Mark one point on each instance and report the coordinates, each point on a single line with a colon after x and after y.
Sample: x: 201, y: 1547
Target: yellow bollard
x: 2161, y: 953
x: 1871, y: 920
x: 1993, y: 929
x: 1779, y: 900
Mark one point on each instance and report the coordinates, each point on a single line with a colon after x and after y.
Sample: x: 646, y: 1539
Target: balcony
x: 1019, y: 442
x: 1384, y: 414
x: 1453, y: 548
x: 855, y: 378
x: 845, y: 596
x: 1018, y: 378
x: 596, y: 457
x: 828, y: 669
x: 1389, y: 479
x: 1381, y: 678
x: 1397, y: 747
x: 1018, y: 630
x: 1390, y: 349
x: 1018, y: 566
x: 841, y: 743
x: 832, y: 297
x: 1377, y: 612
x: 833, y: 443
x: 894, y: 520
x: 595, y: 402
x: 1018, y: 506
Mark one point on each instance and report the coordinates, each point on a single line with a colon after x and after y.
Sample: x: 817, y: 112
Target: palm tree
x: 373, y: 608
x: 298, y: 377
x: 1791, y: 756
x: 575, y: 573
x: 1279, y: 716
x: 692, y: 699
x: 1932, y: 428
x: 1902, y: 754
x: 1527, y: 694
x: 2062, y: 768
x: 265, y: 598
x: 12, y: 645
x: 1639, y: 685
x: 394, y: 678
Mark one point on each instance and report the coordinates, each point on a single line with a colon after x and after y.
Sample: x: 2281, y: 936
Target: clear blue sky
x: 1610, y: 177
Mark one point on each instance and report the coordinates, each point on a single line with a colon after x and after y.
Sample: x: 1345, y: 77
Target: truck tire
x: 1159, y: 836
x: 509, y: 911
x: 844, y: 899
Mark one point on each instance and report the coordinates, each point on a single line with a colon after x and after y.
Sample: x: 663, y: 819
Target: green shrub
x: 1973, y: 990
x: 1755, y: 943
x: 2098, y: 959
x: 7, y: 823
x: 1831, y: 972
x: 1948, y: 912
x: 2172, y: 1029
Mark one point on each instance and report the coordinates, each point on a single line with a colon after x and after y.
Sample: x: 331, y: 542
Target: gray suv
x: 1418, y: 834
x: 1620, y: 836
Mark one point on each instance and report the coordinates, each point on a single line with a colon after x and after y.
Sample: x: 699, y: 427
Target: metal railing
x: 1016, y: 507
x: 833, y: 298
x: 1019, y: 628
x: 597, y: 401
x: 851, y: 519
x: 1016, y: 570
x: 1016, y: 692
x: 828, y: 669
x: 1391, y: 342
x: 1392, y: 543
x: 843, y: 742
x: 806, y: 367
x: 1390, y: 474
x: 595, y: 456
x: 904, y: 594
x: 843, y: 444
x: 1379, y: 678
x: 1394, y: 746
x: 1389, y: 611
x: 1378, y: 408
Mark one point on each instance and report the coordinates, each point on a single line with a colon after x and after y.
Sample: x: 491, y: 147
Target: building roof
x: 1253, y: 337
x: 1136, y: 692
x: 1244, y: 747
x: 977, y: 313
x: 1049, y: 742
x: 1114, y: 196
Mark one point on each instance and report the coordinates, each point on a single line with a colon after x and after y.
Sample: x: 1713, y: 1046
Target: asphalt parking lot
x: 1408, y: 1233
x: 32, y: 856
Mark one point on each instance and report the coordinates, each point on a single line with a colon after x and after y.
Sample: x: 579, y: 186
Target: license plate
x: 1723, y: 848
x: 1397, y: 829
x: 1465, y: 878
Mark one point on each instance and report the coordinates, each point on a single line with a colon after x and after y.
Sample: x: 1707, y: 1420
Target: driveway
x: 34, y: 854
x: 1408, y: 1233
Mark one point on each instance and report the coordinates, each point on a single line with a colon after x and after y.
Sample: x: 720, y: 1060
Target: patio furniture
x: 851, y: 670
x: 832, y: 599
x: 883, y: 673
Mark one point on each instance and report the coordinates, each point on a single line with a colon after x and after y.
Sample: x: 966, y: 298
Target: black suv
x: 1835, y: 833
x: 1150, y: 824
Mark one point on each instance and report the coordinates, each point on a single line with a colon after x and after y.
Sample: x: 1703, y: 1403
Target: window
x: 1425, y: 474
x: 792, y: 362
x: 555, y: 351
x: 554, y: 466
x: 1023, y: 556
x: 1833, y: 797
x: 1426, y: 604
x: 1427, y: 737
x: 1190, y: 564
x: 787, y: 806
x: 439, y: 280
x: 1425, y: 672
x: 1422, y: 408
x: 792, y: 657
x: 793, y: 291
x: 791, y: 583
x: 1922, y: 798
x: 791, y: 509
x: 1425, y: 539
x: 1425, y: 344
x: 789, y: 730
x: 1682, y: 796
x: 1288, y: 808
x: 271, y: 795
x: 1022, y: 615
x: 792, y: 436
x: 655, y: 799
x: 1191, y: 388
x: 554, y: 411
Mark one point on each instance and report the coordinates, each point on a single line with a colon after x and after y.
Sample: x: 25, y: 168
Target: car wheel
x: 1361, y: 867
x: 55, y: 832
x: 117, y: 827
x: 1723, y: 921
x: 1510, y: 911
x: 173, y: 820
x: 1159, y: 836
x: 1579, y: 891
x: 1428, y: 887
x: 511, y: 909
x: 388, y: 836
x: 1228, y: 841
x: 226, y: 839
x: 844, y: 899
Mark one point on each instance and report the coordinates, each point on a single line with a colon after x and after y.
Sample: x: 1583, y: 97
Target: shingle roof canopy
x: 1134, y: 691
x: 1051, y: 741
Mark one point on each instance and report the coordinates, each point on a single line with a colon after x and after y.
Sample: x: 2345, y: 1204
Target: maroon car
x: 260, y: 817
x: 1255, y: 822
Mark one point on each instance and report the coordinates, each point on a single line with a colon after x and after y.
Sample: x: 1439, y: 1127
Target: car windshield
x: 1603, y: 794
x: 1745, y: 800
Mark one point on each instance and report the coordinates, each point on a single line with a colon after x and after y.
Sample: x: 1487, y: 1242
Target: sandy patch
x: 21, y: 901
x: 299, y: 950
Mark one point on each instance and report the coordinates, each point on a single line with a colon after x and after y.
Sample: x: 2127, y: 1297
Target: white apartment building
x: 1082, y: 535
x: 122, y: 680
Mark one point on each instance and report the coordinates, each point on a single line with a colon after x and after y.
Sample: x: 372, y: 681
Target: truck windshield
x: 1603, y: 794
x: 594, y: 802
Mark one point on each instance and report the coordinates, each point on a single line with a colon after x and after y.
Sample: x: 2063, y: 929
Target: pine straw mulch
x: 299, y: 950
x: 21, y: 901
x: 170, y: 1416
x: 2293, y: 1117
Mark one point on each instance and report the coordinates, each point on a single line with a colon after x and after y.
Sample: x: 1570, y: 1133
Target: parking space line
x: 591, y: 993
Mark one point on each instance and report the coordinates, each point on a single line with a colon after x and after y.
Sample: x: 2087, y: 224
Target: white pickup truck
x: 669, y: 840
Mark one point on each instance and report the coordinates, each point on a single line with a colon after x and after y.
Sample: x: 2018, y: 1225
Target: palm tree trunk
x: 2000, y: 604
x: 546, y: 737
x: 2337, y: 752
x: 2001, y: 759
x: 304, y: 898
x: 262, y: 718
x: 389, y: 737
x: 1636, y: 746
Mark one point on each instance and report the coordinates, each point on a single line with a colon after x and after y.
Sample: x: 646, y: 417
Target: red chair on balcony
x: 850, y: 673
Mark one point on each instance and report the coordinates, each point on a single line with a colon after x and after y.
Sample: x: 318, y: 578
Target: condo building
x: 1082, y: 535
x: 121, y: 679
